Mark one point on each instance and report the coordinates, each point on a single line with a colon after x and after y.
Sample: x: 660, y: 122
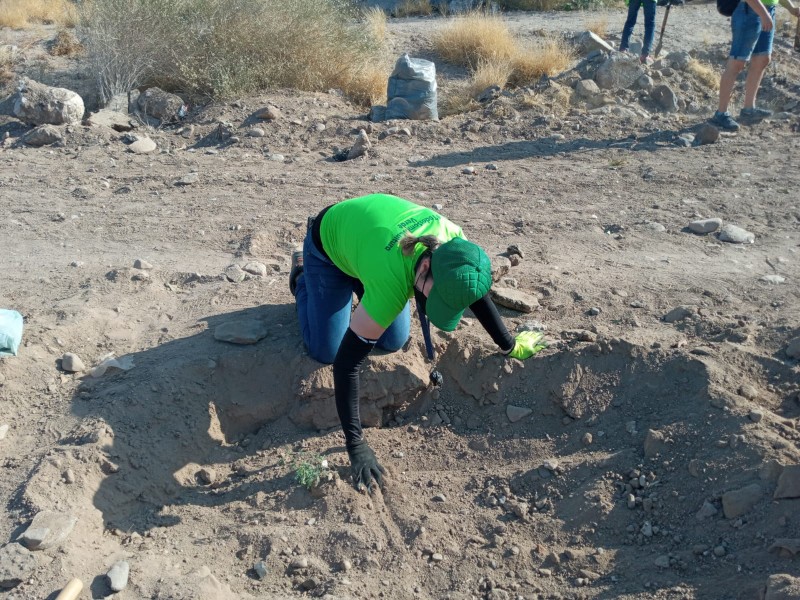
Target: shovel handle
x: 71, y: 591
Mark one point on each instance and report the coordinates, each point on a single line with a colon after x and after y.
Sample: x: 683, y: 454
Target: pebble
x: 706, y: 511
x: 142, y: 146
x: 662, y: 561
x: 587, y: 439
x: 774, y: 279
x: 346, y: 565
x: 243, y: 331
x: 189, y: 179
x: 594, y: 311
x: 748, y: 391
x: 707, y: 134
x: 256, y: 132
x: 705, y: 225
x: 268, y: 113
x: 276, y: 157
x: 439, y: 498
x: 436, y: 557
x: 140, y: 263
x: 647, y: 529
x: 756, y: 415
x: 261, y: 569
x: 3, y: 431
x: 47, y: 530
x: 736, y: 235
x: 719, y: 551
x: 298, y: 563
x: 657, y: 227
x: 235, y: 273
x: 516, y: 413
x: 491, y: 167
x: 72, y: 363
x: 256, y: 268
x: 118, y: 576
x: 631, y: 501
x: 69, y: 476
x: 206, y: 476
x: 551, y: 464
x: 468, y: 170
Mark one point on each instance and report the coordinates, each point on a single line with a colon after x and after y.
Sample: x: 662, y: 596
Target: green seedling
x: 308, y: 470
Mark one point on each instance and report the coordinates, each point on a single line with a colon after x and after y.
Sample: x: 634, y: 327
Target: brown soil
x: 469, y: 509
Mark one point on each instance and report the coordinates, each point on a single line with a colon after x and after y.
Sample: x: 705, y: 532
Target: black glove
x: 364, y: 465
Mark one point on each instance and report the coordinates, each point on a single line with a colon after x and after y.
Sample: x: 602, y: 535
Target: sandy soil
x: 615, y: 483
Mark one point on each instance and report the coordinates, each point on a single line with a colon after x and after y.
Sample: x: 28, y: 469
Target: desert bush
x: 65, y: 44
x: 414, y: 8
x: 475, y: 38
x: 18, y: 14
x: 376, y: 23
x: 704, y: 73
x: 222, y: 48
x: 8, y: 61
x: 549, y: 56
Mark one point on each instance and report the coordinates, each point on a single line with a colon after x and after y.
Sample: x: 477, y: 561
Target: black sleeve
x: 352, y: 352
x: 486, y: 312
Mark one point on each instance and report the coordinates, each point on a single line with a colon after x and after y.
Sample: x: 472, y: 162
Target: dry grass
x: 704, y: 73
x: 549, y: 57
x: 532, y: 5
x: 18, y: 14
x: 598, y: 25
x: 8, y: 60
x: 376, y: 23
x: 65, y: 44
x: 457, y: 100
x: 414, y: 8
x: 487, y: 74
x: 366, y: 85
x: 475, y: 38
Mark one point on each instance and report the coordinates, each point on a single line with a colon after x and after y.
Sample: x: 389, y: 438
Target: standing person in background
x: 752, y: 28
x: 387, y: 250
x: 649, y: 27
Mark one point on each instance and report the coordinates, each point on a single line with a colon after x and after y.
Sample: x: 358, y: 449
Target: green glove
x: 527, y: 344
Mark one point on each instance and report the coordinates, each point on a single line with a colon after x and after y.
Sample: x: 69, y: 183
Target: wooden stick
x: 797, y: 35
x: 71, y: 591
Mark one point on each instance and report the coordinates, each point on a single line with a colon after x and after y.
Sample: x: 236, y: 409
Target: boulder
x: 44, y: 135
x: 38, y: 104
x: 588, y: 41
x: 738, y: 502
x: 158, y: 104
x: 665, y: 98
x: 16, y: 565
x: 618, y: 71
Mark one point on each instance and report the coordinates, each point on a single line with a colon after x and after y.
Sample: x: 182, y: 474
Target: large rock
x: 112, y: 119
x: 44, y: 135
x: 242, y: 331
x: 707, y: 134
x: 158, y: 104
x: 47, y: 530
x: 38, y: 104
x: 514, y: 299
x: 618, y: 71
x: 738, y: 502
x: 654, y: 443
x: 588, y: 41
x: 665, y: 98
x: 586, y: 89
x: 736, y: 235
x: 705, y: 225
x: 782, y: 587
x: 16, y: 565
x: 788, y: 483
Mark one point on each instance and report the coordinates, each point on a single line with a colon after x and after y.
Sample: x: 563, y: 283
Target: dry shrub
x: 218, y: 48
x: 598, y: 25
x: 376, y: 23
x: 414, y: 8
x: 487, y: 74
x: 531, y: 4
x: 457, y: 100
x: 550, y: 56
x: 367, y: 84
x: 475, y: 38
x: 18, y: 14
x: 704, y: 73
x: 65, y: 44
x: 554, y: 100
x: 8, y: 60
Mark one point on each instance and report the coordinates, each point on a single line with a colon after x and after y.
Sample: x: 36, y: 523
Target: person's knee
x: 392, y: 345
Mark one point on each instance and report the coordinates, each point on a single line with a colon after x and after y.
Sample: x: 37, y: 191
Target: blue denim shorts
x: 748, y: 39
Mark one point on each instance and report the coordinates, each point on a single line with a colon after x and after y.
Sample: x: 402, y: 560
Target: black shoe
x: 297, y: 270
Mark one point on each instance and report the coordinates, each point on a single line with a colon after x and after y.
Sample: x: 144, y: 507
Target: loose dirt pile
x: 651, y: 451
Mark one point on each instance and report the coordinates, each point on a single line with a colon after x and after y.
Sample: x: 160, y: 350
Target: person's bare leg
x: 758, y: 64
x: 727, y: 81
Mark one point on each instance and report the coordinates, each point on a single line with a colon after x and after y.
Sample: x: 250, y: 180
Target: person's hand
x: 365, y: 467
x: 527, y: 344
x: 766, y: 22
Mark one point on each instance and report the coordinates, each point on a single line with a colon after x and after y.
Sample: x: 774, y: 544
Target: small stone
x: 188, y: 179
x: 44, y: 135
x: 118, y: 576
x: 491, y: 167
x: 631, y: 501
x: 551, y: 464
x: 47, y: 530
x: 748, y: 391
x: 654, y: 443
x: 243, y: 331
x: 586, y: 439
x: 738, y: 502
x: 679, y: 313
x: 256, y: 268
x: 69, y: 476
x: 268, y: 113
x: 657, y: 227
x: 756, y: 415
x: 274, y: 157
x: 516, y: 413
x: 468, y: 170
x: 773, y: 279
x: 719, y: 551
x: 72, y: 363
x: 705, y: 225
x: 439, y: 498
x: 346, y: 565
x: 594, y: 311
x: 788, y: 483
x: 142, y: 146
x: 261, y: 569
x: 436, y: 557
x: 647, y: 529
x: 256, y: 132
x: 206, y: 476
x: 706, y: 511
x: 140, y: 263
x: 301, y: 562
x: 665, y: 98
x: 707, y: 134
x: 736, y: 235
x: 361, y: 146
x: 3, y: 431
x: 514, y: 299
x: 662, y: 561
x: 235, y: 274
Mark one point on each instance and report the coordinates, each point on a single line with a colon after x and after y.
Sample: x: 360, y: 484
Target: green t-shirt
x: 361, y: 236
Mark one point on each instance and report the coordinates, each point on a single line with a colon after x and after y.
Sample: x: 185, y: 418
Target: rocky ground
x: 652, y: 451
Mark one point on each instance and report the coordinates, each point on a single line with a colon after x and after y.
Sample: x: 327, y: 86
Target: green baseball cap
x: 462, y: 274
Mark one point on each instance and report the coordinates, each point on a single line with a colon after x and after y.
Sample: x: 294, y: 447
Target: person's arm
x: 525, y: 345
x: 357, y: 343
x: 761, y: 11
x: 794, y: 10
